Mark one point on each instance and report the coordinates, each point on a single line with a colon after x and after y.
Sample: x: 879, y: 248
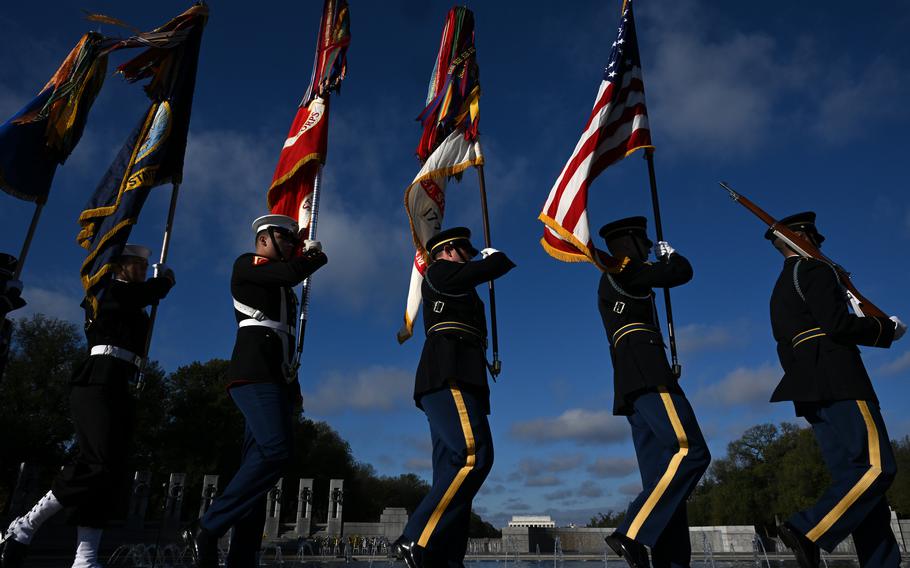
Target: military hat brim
x: 136, y: 251
x: 630, y: 226
x: 456, y: 236
x: 280, y: 222
x: 804, y: 222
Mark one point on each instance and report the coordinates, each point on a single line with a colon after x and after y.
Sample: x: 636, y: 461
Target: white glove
x: 163, y: 270
x: 663, y: 248
x: 310, y: 245
x: 899, y: 327
x: 487, y: 252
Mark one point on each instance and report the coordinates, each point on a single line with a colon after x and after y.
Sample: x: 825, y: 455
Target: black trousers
x: 88, y: 486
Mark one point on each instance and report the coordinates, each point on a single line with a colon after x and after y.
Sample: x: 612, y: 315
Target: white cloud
x: 375, y: 388
x: 743, y: 385
x: 630, y: 489
x: 709, y: 93
x: 418, y: 464
x: 576, y: 424
x: 897, y: 366
x: 701, y: 337
x: 554, y: 464
x: 543, y: 481
x: 55, y: 303
x: 590, y: 489
x: 850, y: 103
x: 612, y: 467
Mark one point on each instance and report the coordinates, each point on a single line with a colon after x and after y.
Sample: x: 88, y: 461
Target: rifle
x: 802, y: 246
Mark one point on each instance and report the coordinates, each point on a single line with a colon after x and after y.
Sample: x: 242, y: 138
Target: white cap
x: 136, y: 250
x: 282, y: 222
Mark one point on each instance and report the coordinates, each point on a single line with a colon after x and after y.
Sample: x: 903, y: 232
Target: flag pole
x: 307, y: 284
x: 39, y: 207
x: 165, y: 246
x: 496, y: 367
x: 658, y: 228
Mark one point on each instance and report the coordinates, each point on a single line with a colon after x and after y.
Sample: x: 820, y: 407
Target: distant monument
x: 543, y: 521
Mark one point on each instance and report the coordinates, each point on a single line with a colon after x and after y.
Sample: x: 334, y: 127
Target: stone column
x: 209, y: 490
x: 304, y: 508
x: 336, y: 501
x: 273, y: 512
x: 173, y: 501
x: 139, y: 500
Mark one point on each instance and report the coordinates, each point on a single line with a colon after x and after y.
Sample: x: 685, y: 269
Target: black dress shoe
x: 635, y: 553
x: 12, y: 553
x: 807, y: 552
x: 203, y: 547
x: 409, y: 551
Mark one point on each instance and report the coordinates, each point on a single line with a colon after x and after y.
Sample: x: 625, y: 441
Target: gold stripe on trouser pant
x: 866, y: 481
x: 672, y: 467
x: 460, y: 476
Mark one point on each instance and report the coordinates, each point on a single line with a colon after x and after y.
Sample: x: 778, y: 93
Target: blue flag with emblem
x: 44, y: 133
x: 153, y: 153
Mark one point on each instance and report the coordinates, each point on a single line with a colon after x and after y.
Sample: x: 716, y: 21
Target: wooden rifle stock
x: 806, y: 249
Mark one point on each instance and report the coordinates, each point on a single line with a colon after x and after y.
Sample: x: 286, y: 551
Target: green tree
x: 34, y: 413
x: 899, y: 493
x: 610, y: 519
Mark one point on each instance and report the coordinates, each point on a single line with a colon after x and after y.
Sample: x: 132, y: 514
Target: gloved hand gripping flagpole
x: 496, y: 366
x: 307, y: 284
x: 658, y: 228
x: 165, y: 246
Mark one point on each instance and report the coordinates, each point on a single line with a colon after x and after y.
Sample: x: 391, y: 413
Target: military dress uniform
x: 824, y: 376
x: 262, y: 382
x: 101, y: 400
x: 102, y: 411
x: 451, y: 388
x: 671, y: 451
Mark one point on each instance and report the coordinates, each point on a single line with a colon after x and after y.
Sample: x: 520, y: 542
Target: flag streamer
x: 449, y: 144
x: 305, y: 147
x: 154, y: 152
x: 44, y: 133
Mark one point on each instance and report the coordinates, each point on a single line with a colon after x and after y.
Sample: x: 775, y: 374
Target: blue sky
x: 798, y: 108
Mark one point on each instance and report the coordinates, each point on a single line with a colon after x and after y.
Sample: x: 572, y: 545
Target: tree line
x: 185, y: 422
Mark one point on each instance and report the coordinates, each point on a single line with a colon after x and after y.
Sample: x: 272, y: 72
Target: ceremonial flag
x: 304, y: 149
x: 45, y: 132
x: 618, y: 126
x: 448, y: 146
x: 153, y: 153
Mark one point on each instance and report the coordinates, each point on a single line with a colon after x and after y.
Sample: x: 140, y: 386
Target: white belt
x: 259, y: 319
x: 117, y: 353
x: 272, y: 324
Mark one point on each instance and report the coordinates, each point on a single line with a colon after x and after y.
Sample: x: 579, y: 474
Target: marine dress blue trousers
x: 462, y: 458
x: 267, y: 448
x: 858, y: 454
x: 672, y: 457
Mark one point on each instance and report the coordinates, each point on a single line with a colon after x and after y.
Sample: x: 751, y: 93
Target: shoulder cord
x: 426, y: 277
x: 796, y: 279
x: 624, y: 293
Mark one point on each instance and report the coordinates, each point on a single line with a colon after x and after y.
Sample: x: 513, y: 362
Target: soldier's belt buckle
x: 618, y: 307
x: 438, y: 305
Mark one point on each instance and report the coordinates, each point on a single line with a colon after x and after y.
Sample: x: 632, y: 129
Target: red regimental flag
x: 304, y: 151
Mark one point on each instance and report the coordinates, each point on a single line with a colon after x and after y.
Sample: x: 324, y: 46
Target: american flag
x: 618, y: 126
